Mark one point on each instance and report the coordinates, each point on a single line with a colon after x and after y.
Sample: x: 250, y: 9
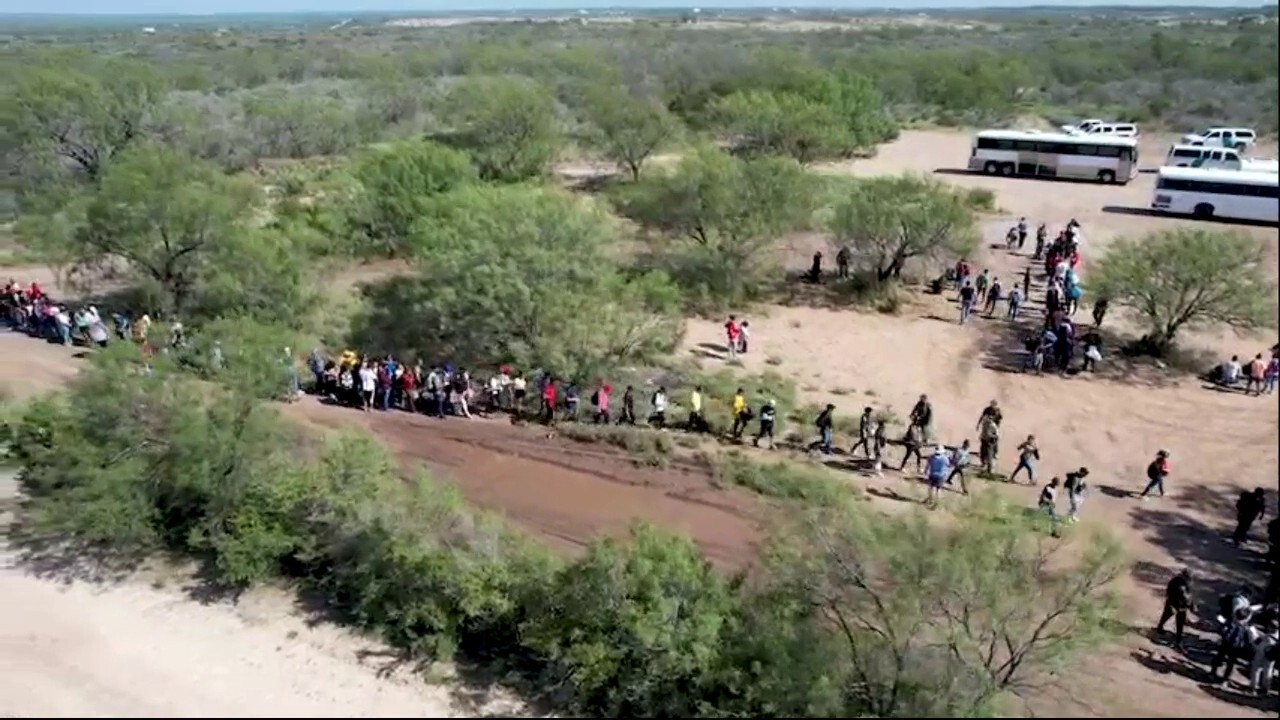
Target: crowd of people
x: 444, y: 390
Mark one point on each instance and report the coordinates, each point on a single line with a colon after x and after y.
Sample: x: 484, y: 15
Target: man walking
x: 1177, y: 603
x: 825, y: 423
x: 939, y: 467
x: 1250, y: 507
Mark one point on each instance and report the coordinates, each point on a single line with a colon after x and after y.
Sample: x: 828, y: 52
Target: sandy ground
x: 74, y: 649
x: 569, y: 493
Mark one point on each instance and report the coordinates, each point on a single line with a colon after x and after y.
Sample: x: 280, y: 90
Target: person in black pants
x: 1250, y: 507
x: 1177, y: 602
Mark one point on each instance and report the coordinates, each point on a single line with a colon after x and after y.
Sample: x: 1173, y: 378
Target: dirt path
x: 133, y: 650
x: 566, y: 492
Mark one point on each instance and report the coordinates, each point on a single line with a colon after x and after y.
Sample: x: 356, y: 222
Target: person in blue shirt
x: 939, y: 467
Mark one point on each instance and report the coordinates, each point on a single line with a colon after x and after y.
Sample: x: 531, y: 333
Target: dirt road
x: 134, y: 650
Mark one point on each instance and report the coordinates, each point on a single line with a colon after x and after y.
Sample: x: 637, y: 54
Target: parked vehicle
x: 1238, y: 138
x: 1114, y: 129
x: 1210, y: 157
x: 1230, y: 194
x: 1082, y: 127
x: 1105, y: 158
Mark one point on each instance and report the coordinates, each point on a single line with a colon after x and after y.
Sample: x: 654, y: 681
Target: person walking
x: 1075, y: 487
x: 697, y: 423
x: 1157, y: 471
x: 601, y: 401
x: 865, y: 430
x: 1015, y: 303
x: 988, y: 442
x: 1048, y: 503
x: 939, y: 467
x: 739, y: 415
x: 959, y: 461
x: 968, y: 296
x: 768, y: 416
x: 826, y: 423
x: 994, y: 296
x: 1249, y: 507
x: 1236, y: 642
x: 1028, y: 455
x: 1177, y: 603
x: 628, y: 414
x: 879, y: 440
x: 659, y: 403
x: 912, y: 441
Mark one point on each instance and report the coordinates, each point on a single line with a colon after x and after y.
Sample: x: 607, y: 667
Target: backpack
x: 595, y: 398
x: 1237, y: 636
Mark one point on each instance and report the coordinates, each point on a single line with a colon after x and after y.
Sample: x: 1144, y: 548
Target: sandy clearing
x: 137, y: 650
x: 1222, y: 442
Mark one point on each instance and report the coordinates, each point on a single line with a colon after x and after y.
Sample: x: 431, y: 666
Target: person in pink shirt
x: 601, y: 401
x: 733, y: 333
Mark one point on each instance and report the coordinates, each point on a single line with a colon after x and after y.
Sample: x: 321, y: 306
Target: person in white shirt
x: 368, y: 385
x: 659, y: 418
x: 1231, y: 371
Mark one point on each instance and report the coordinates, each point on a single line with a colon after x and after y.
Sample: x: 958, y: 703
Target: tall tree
x: 160, y: 216
x: 729, y: 212
x: 397, y: 186
x: 1186, y: 277
x: 507, y: 124
x: 83, y: 113
x: 628, y: 129
x: 513, y: 273
x: 782, y: 123
x: 888, y: 221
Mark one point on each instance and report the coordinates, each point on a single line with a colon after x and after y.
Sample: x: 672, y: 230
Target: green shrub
x: 980, y: 200
x: 131, y: 463
x: 634, y: 629
x: 785, y: 479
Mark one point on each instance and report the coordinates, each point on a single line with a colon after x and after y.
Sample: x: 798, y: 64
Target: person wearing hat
x: 1157, y: 471
x: 939, y: 467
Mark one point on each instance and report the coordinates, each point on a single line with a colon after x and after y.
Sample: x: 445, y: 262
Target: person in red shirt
x: 549, y: 402
x: 733, y: 334
x: 409, y: 386
x: 1157, y: 471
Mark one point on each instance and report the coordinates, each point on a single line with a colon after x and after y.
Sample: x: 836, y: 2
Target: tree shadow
x: 1217, y: 566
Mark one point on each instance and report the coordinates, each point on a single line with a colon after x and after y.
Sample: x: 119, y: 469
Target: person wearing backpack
x: 1157, y: 471
x: 600, y: 401
x: 825, y: 423
x: 1236, y: 641
x: 768, y: 414
x: 1075, y: 487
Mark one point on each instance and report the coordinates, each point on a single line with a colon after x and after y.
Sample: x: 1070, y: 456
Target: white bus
x: 1230, y: 194
x: 1052, y: 155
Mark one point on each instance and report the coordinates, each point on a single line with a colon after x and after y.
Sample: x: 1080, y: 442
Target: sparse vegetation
x: 219, y: 176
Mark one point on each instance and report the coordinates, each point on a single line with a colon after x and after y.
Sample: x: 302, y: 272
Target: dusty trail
x: 566, y: 492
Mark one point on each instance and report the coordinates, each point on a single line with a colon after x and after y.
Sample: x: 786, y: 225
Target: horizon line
x: 1227, y: 5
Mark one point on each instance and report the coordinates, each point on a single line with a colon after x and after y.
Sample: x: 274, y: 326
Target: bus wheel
x: 1107, y: 176
x: 1203, y: 210
x: 1007, y: 169
x: 991, y: 168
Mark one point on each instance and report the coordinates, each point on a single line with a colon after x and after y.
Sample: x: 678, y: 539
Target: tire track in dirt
x: 559, y: 489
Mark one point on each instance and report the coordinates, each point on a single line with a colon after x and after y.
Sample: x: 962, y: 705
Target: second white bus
x: 1053, y: 155
x: 1229, y: 194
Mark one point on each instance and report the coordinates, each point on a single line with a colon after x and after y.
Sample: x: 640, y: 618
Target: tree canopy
x: 507, y: 124
x: 724, y: 214
x: 627, y: 128
x: 1186, y: 277
x: 398, y: 184
x: 520, y: 274
x: 888, y: 221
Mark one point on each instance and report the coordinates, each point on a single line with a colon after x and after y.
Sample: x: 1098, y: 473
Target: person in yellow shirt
x: 696, y: 421
x: 739, y: 414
